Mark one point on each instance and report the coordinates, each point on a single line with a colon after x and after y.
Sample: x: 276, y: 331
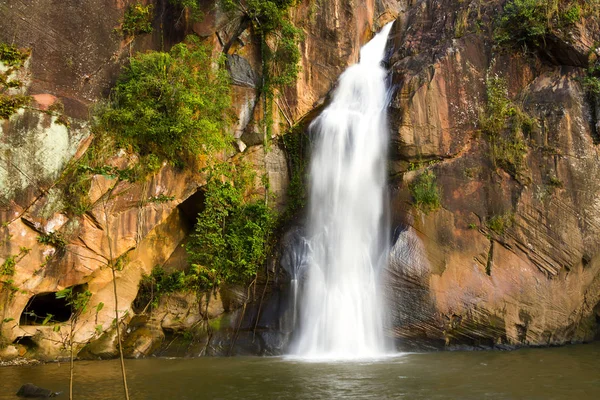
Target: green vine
x: 279, y: 40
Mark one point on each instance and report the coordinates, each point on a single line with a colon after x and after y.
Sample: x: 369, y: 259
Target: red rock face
x: 537, y: 280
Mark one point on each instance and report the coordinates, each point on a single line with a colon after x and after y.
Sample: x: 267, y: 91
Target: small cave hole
x: 26, y: 341
x: 191, y: 207
x: 46, y: 309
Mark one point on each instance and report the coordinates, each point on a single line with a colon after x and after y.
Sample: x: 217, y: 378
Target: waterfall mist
x: 341, y: 306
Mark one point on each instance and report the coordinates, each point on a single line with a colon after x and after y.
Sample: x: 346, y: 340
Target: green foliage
x: 78, y: 300
x: 47, y: 318
x: 191, y: 6
x: 53, y: 239
x: 505, y: 125
x: 75, y: 191
x: 10, y: 104
x: 108, y: 171
x: 137, y: 20
x: 159, y: 283
x: 425, y: 193
x: 554, y: 182
x: 8, y: 266
x: 461, y: 23
x: 279, y: 40
x: 6, y: 84
x: 232, y: 234
x: 572, y: 14
x: 522, y: 22
x: 171, y: 104
x: 161, y: 198
x: 525, y: 23
x: 591, y: 84
x: 499, y: 223
x: 12, y: 56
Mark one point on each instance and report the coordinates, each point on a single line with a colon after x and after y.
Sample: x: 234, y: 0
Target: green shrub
x: 171, y: 104
x: 591, y: 84
x: 159, y: 283
x: 11, y: 56
x: 161, y: 198
x: 572, y: 14
x: 191, y: 6
x: 10, y: 104
x: 53, y: 239
x: 525, y: 23
x: 554, y: 182
x: 425, y: 193
x: 137, y: 20
x: 505, y: 125
x: 231, y: 239
x: 499, y: 223
x: 8, y: 266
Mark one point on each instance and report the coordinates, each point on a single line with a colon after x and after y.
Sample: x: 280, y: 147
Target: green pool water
x: 571, y: 372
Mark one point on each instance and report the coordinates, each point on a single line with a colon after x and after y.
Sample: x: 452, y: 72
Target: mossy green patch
x: 425, y: 192
x: 137, y: 20
x: 499, y: 223
x: 506, y: 126
x: 10, y: 104
x: 12, y: 56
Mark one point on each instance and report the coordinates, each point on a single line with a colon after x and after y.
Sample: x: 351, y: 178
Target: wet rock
x: 31, y: 391
x: 145, y: 337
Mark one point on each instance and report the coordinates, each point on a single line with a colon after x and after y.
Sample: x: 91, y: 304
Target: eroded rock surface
x: 456, y: 277
x: 75, y: 59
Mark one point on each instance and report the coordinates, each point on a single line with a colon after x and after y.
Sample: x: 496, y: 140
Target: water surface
x: 571, y: 372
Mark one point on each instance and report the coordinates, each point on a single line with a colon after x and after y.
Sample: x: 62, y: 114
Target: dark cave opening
x: 26, y: 341
x: 47, y: 309
x: 191, y: 207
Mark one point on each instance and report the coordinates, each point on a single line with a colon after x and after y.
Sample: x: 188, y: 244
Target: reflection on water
x: 571, y: 372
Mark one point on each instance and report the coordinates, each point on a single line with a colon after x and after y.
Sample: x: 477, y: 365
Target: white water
x: 341, y: 309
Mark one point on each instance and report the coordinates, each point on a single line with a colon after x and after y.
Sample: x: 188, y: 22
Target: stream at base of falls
x: 570, y: 372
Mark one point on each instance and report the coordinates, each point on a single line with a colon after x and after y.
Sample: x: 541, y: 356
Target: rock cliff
x: 512, y: 256
x: 508, y: 255
x: 74, y: 58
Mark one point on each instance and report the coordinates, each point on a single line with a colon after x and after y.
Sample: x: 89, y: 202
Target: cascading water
x: 341, y: 310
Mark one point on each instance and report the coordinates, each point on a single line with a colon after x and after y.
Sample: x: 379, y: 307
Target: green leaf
x: 47, y: 319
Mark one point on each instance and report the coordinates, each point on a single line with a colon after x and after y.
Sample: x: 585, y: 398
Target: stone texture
x: 453, y: 280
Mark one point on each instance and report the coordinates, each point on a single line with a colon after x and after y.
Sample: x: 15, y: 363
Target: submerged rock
x: 30, y: 391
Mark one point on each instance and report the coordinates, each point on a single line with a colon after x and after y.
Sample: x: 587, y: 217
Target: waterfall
x: 341, y: 306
